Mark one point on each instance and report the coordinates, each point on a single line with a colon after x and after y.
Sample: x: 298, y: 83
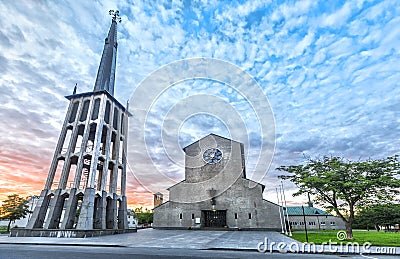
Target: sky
x: 326, y: 71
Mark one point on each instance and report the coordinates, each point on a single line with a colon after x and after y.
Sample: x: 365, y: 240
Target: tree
x: 341, y: 186
x: 14, y: 208
x: 377, y: 215
x: 145, y: 217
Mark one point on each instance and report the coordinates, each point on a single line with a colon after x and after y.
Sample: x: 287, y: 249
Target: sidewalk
x: 200, y: 240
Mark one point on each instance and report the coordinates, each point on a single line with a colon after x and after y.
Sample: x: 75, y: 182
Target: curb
x: 63, y: 244
x: 211, y: 249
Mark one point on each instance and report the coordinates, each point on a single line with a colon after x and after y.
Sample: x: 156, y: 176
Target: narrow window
x: 180, y: 216
x: 110, y: 182
x: 249, y: 215
x: 71, y: 175
x: 57, y: 176
x: 99, y: 175
x: 121, y: 151
x: 77, y: 143
x: 84, y: 111
x: 103, y: 141
x: 192, y: 215
x: 96, y: 108
x: 107, y: 113
x: 113, y: 147
x: 92, y: 135
x: 119, y: 181
x: 73, y: 112
x: 122, y: 124
x: 115, y: 119
x: 235, y: 215
x: 67, y: 139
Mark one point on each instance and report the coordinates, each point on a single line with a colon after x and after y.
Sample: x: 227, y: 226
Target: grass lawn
x: 361, y: 236
x: 3, y: 230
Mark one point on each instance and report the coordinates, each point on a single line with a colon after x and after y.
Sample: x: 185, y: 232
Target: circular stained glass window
x: 212, y: 155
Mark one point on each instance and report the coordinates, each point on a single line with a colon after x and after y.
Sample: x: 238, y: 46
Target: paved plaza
x: 184, y: 239
x: 190, y: 239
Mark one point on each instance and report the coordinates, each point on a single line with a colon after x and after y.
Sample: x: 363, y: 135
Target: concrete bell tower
x: 85, y: 191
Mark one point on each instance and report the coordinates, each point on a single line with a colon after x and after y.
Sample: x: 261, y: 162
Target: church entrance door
x: 214, y: 218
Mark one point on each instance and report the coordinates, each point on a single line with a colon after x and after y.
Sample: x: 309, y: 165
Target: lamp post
x: 305, y: 223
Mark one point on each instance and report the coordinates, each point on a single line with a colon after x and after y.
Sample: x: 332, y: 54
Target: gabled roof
x: 308, y: 211
x: 212, y: 134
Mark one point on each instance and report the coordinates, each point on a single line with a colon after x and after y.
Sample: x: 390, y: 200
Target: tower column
x: 92, y: 148
x: 55, y: 210
x: 70, y: 210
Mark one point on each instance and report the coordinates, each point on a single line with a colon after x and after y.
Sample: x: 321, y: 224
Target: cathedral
x: 215, y: 192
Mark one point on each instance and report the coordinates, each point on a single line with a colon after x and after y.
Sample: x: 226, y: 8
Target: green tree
x: 377, y: 215
x: 341, y: 186
x: 145, y: 217
x: 14, y: 208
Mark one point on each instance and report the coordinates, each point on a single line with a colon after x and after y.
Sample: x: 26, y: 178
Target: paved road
x: 68, y: 252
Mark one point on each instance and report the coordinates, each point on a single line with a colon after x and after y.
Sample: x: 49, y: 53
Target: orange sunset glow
x: 29, y: 173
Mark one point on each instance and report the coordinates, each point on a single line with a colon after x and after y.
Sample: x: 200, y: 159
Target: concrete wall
x: 239, y: 199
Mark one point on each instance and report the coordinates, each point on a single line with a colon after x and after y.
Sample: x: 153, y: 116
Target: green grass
x: 3, y: 230
x: 361, y: 236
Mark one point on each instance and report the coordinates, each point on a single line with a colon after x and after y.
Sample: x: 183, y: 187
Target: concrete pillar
x: 85, y: 221
x: 104, y: 210
x: 70, y: 210
x: 111, y: 204
x: 123, y: 214
x: 55, y: 210
x: 39, y: 213
x: 99, y: 221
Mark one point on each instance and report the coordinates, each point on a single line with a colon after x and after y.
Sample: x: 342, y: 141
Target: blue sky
x: 329, y: 69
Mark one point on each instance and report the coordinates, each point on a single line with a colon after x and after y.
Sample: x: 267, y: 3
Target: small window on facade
x: 180, y: 216
x: 249, y: 215
x: 235, y: 215
x: 322, y: 223
x: 333, y: 223
x: 192, y: 216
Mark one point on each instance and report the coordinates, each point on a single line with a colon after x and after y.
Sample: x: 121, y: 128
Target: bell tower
x: 85, y: 191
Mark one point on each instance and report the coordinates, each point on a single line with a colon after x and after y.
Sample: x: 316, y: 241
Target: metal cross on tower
x: 115, y: 15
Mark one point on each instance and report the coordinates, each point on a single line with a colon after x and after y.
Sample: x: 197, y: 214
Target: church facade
x: 216, y: 192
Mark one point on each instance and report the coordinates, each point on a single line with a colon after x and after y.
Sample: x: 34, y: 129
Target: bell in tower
x: 85, y: 191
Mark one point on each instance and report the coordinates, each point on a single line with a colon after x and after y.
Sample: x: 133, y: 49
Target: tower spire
x: 106, y: 73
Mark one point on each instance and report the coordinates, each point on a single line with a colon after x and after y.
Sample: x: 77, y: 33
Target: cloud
x: 328, y: 69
